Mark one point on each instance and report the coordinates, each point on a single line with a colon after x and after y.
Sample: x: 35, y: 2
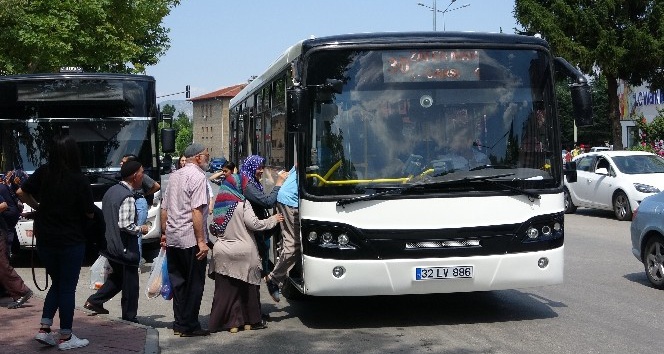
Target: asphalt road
x: 605, y: 305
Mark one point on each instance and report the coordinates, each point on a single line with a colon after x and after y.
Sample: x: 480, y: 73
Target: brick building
x: 210, y: 119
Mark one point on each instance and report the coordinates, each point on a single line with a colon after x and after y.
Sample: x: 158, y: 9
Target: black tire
x: 653, y: 261
x: 570, y: 208
x: 621, y: 207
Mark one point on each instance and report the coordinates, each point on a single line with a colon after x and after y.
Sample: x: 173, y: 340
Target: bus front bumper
x: 397, y: 276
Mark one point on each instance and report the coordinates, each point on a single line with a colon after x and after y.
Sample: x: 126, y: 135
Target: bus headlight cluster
x: 544, y: 231
x: 329, y: 239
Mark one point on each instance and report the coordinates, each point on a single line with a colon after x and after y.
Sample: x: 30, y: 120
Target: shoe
x: 97, y: 309
x: 260, y: 325
x: 73, y: 343
x: 273, y: 289
x: 196, y: 333
x: 176, y: 333
x: 265, y: 316
x: 46, y: 338
x: 233, y: 330
x: 21, y: 300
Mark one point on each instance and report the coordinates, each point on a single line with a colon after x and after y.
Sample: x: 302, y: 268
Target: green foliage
x: 620, y: 39
x: 185, y: 132
x: 98, y: 35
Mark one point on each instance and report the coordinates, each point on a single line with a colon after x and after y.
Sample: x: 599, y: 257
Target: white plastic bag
x: 153, y: 288
x: 99, y: 272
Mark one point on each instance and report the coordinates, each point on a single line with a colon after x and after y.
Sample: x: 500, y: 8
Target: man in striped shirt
x: 184, y: 212
x: 118, y: 206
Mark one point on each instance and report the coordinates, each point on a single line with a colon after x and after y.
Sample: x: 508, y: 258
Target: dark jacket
x: 121, y: 246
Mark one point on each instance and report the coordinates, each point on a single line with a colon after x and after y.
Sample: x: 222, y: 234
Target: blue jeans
x: 63, y: 264
x: 141, y: 218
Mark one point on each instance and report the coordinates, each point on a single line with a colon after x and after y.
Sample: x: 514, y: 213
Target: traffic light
x: 187, y: 92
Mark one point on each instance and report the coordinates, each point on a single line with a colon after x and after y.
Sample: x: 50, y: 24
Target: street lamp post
x: 435, y: 10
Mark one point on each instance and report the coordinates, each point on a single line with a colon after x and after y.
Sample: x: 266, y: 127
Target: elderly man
x: 184, y: 210
x: 122, y: 230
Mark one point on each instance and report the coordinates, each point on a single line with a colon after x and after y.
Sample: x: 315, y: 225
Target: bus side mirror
x: 168, y: 140
x: 296, y: 106
x: 570, y: 171
x: 582, y: 105
x: 581, y: 98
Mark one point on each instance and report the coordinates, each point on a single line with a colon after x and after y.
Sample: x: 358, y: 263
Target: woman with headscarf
x: 251, y: 172
x: 10, y: 210
x: 235, y: 265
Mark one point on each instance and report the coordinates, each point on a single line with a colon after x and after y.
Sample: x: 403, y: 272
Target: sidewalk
x: 106, y: 334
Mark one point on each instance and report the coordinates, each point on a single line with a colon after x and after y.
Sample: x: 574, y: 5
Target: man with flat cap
x: 119, y: 209
x: 184, y: 210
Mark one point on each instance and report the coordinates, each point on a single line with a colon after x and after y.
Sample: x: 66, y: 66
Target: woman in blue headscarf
x: 235, y: 264
x: 10, y: 210
x: 251, y: 173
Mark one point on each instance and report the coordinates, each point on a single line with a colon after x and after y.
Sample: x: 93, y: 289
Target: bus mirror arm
x: 581, y: 95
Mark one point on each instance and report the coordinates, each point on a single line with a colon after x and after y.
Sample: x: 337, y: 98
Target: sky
x: 220, y: 43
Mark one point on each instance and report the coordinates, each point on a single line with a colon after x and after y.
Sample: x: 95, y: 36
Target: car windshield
x: 639, y: 164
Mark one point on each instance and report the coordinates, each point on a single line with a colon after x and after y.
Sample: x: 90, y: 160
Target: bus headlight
x: 312, y: 237
x: 326, y: 237
x: 343, y: 240
x: 532, y: 233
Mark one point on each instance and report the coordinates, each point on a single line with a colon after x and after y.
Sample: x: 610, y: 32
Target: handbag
x: 99, y: 272
x: 155, y: 280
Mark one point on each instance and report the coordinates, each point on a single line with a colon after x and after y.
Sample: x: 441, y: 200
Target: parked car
x: 614, y: 180
x: 216, y: 164
x: 599, y: 148
x: 647, y: 231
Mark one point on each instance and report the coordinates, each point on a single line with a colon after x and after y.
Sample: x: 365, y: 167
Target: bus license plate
x: 432, y: 273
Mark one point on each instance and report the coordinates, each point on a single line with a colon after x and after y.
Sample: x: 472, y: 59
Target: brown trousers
x: 9, y: 279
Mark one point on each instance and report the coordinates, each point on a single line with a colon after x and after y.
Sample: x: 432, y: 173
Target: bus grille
x: 442, y: 244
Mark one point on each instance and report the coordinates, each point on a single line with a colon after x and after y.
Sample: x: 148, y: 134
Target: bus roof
x: 51, y: 76
x: 378, y: 38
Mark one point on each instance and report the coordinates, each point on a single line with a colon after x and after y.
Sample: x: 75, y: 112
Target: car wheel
x: 621, y: 207
x: 570, y: 208
x: 653, y: 261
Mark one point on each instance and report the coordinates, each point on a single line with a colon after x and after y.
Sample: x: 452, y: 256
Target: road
x: 605, y: 305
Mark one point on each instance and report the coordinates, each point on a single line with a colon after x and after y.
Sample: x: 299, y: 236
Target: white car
x: 614, y: 180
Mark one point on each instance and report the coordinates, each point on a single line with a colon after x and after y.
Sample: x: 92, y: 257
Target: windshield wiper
x: 401, y: 190
x: 516, y: 189
x: 495, y: 167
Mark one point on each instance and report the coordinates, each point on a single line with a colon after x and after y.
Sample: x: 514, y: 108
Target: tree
x: 620, y: 39
x: 97, y: 35
x: 185, y: 132
x: 651, y: 135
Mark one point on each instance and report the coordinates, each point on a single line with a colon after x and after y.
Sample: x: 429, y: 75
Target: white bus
x: 109, y: 115
x: 429, y: 162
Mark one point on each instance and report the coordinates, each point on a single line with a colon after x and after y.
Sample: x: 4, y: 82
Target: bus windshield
x: 102, y: 143
x: 404, y: 116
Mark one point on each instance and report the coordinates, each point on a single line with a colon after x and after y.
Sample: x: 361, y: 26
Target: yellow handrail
x: 357, y: 181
